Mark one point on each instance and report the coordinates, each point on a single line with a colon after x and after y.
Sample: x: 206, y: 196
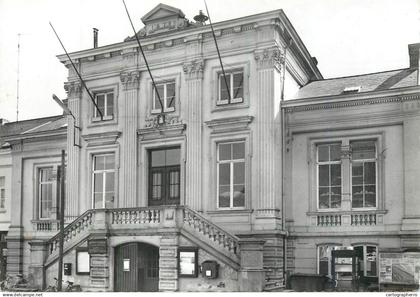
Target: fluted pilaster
x: 194, y: 76
x: 267, y: 175
x: 130, y: 84
x: 73, y: 90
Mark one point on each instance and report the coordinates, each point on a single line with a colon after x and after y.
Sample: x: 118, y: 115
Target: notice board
x: 399, y: 267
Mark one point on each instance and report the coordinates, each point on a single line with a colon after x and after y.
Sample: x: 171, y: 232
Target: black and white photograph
x: 210, y: 146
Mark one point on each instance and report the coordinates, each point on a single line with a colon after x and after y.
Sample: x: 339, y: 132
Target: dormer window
x: 353, y: 89
x: 166, y: 92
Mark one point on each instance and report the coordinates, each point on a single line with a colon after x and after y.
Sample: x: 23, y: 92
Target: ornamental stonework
x: 73, y: 89
x: 194, y: 69
x: 130, y: 80
x: 269, y: 58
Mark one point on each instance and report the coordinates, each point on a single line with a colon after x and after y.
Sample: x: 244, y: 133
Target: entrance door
x: 136, y: 268
x: 164, y: 176
x: 344, y: 269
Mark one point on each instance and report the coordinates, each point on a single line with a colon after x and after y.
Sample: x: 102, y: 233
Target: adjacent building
x: 213, y: 181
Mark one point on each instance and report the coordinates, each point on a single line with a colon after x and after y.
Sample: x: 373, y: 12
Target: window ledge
x: 105, y: 118
x: 231, y: 106
x: 230, y: 211
x: 346, y: 212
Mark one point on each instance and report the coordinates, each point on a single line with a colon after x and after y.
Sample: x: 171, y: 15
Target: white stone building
x: 248, y: 186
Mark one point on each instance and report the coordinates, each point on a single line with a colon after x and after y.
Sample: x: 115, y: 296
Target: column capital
x: 73, y: 89
x: 194, y: 69
x: 130, y: 80
x: 269, y: 58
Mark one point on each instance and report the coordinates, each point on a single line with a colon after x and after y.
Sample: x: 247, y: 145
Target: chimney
x: 414, y: 53
x: 95, y: 38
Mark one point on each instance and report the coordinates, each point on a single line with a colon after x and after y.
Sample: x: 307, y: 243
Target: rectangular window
x: 105, y: 102
x: 164, y: 176
x: 363, y: 170
x: 166, y: 93
x: 2, y: 192
x: 46, y: 183
x: 231, y: 89
x: 103, y: 177
x: 329, y: 175
x: 231, y: 174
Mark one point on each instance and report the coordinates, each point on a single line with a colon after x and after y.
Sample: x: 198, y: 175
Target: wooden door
x: 136, y: 268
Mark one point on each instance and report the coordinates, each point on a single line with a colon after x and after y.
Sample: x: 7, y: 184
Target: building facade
x: 212, y: 181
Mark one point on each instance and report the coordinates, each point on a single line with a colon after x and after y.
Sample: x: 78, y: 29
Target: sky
x: 347, y: 37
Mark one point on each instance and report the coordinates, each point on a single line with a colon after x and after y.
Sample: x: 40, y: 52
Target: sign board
x: 97, y: 246
x: 401, y: 268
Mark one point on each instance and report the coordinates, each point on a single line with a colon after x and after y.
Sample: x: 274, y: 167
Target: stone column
x: 168, y: 263
x: 74, y: 93
x: 267, y: 144
x: 193, y: 114
x: 128, y: 193
x: 15, y: 235
x: 251, y: 274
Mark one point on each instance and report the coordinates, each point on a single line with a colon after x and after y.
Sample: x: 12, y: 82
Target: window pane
x: 323, y: 175
x: 238, y: 150
x: 173, y: 156
x: 158, y: 158
x: 357, y: 196
x: 100, y: 101
x: 335, y: 152
x: 2, y: 198
x: 109, y: 162
x: 156, y: 186
x: 99, y: 162
x: 110, y: 104
x: 335, y: 197
x: 324, y: 197
x: 238, y: 196
x: 109, y: 199
x: 170, y: 95
x: 46, y: 200
x: 2, y: 181
x: 225, y: 152
x: 109, y: 182
x: 160, y: 90
x: 323, y: 153
x: 98, y: 203
x: 370, y: 173
x: 371, y: 267
x: 224, y: 196
x: 238, y: 88
x: 363, y: 150
x: 370, y: 196
x: 335, y: 175
x: 224, y: 174
x: 224, y: 95
x: 98, y: 182
x: 357, y: 173
x: 239, y: 173
x: 174, y: 184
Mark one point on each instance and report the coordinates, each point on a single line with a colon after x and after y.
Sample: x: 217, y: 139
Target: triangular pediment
x: 162, y: 11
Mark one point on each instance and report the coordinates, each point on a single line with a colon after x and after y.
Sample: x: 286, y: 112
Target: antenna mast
x: 17, y: 83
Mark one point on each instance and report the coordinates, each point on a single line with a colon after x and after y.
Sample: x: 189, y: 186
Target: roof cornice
x: 328, y: 102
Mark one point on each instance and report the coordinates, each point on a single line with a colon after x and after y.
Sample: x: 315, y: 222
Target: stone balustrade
x: 360, y: 218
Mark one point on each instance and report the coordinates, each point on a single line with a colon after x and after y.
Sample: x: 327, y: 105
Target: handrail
x: 199, y: 223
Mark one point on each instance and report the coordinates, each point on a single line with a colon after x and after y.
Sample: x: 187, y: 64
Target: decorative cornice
x: 73, y: 89
x: 173, y: 129
x: 98, y: 139
x: 194, y: 69
x: 352, y: 103
x: 229, y: 124
x: 269, y: 58
x: 130, y: 80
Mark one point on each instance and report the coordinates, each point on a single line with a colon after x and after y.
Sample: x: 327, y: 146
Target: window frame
x: 231, y: 175
x: 104, y: 172
x: 231, y: 74
x: 166, y: 109
x: 375, y: 161
x: 318, y: 163
x: 105, y: 93
x: 82, y: 250
x: 39, y: 191
x: 2, y: 193
x: 365, y: 246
